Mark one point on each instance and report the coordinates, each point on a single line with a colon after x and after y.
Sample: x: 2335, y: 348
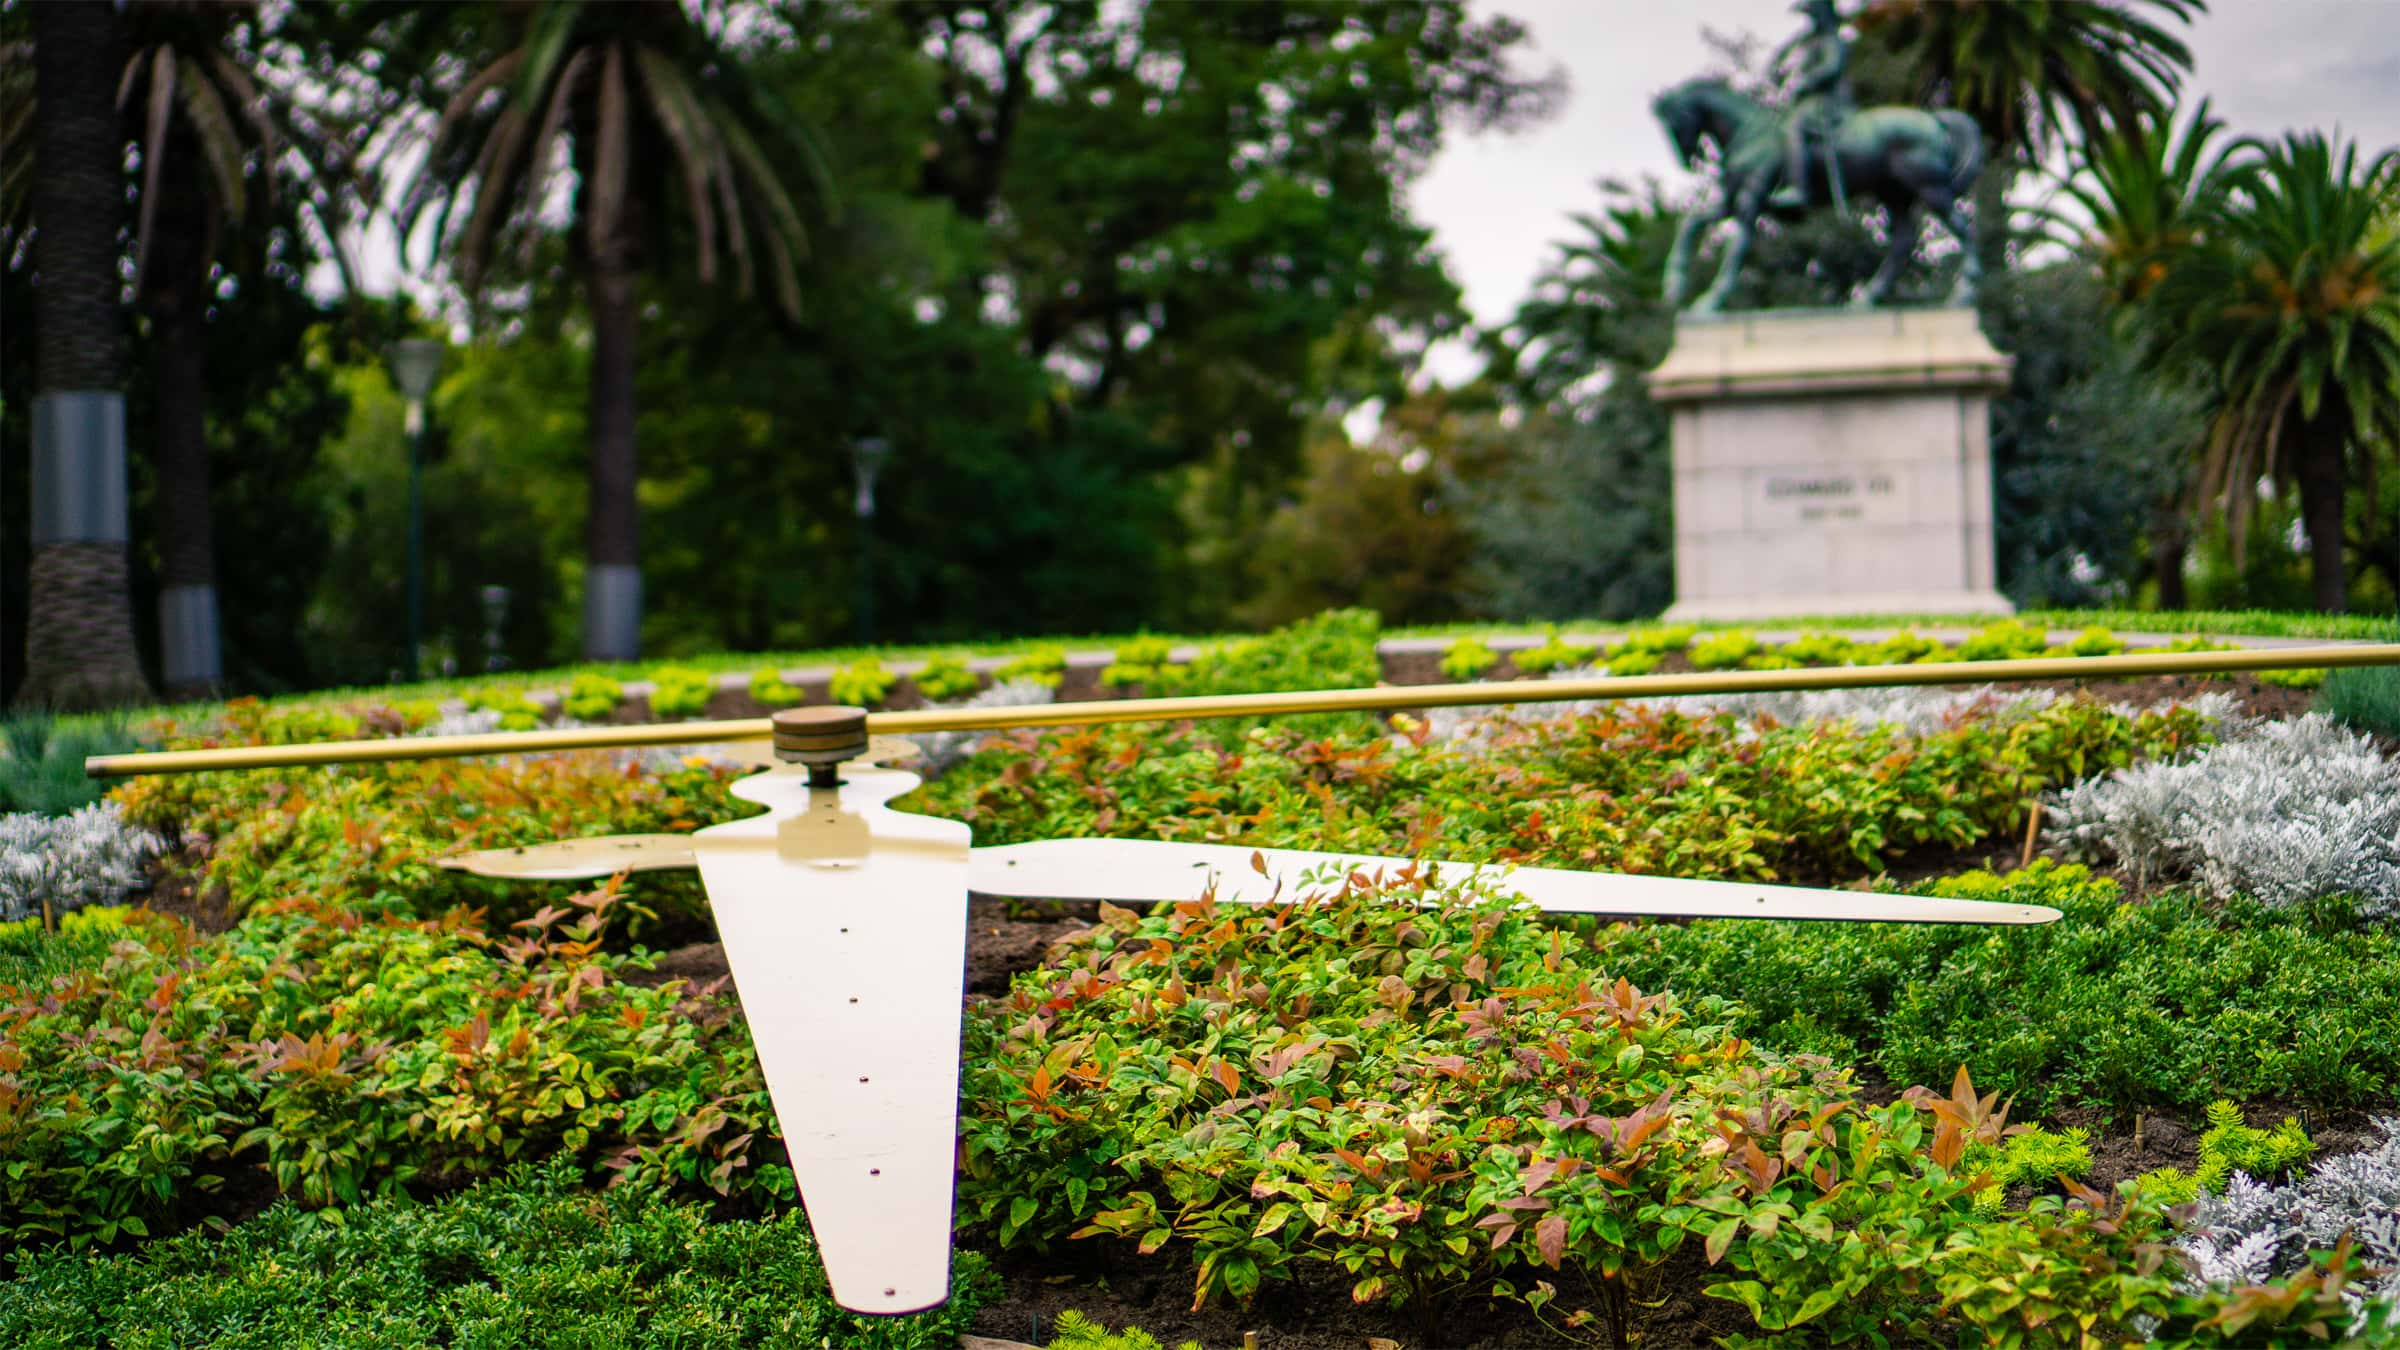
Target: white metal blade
x: 1159, y: 870
x: 578, y: 859
x: 845, y: 925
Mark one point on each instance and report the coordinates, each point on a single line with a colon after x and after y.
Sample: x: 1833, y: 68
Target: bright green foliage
x: 1145, y: 662
x: 863, y: 683
x: 1332, y: 650
x: 1441, y: 1098
x: 767, y: 686
x: 1901, y: 649
x: 1657, y: 640
x: 2003, y: 640
x: 2366, y: 698
x: 1725, y: 650
x: 944, y: 677
x: 29, y: 955
x: 2095, y: 641
x: 365, y: 836
x: 1819, y: 649
x: 1077, y: 1332
x: 517, y: 712
x: 1042, y: 665
x: 1631, y: 662
x: 1627, y: 788
x: 591, y: 697
x: 678, y: 692
x: 2304, y: 677
x: 41, y: 760
x: 1554, y: 653
x: 2032, y: 1156
x: 2229, y: 1146
x: 2168, y: 1186
x: 1468, y: 658
x: 531, y: 1258
x: 2171, y: 1002
x: 346, y: 1057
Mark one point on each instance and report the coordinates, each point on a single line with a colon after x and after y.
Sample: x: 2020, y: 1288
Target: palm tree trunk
x: 2167, y: 549
x: 191, y: 661
x: 2324, y: 477
x: 612, y: 600
x: 1991, y: 210
x: 79, y: 649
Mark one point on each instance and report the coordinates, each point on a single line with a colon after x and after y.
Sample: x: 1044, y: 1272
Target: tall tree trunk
x: 612, y: 601
x: 2170, y: 544
x: 2324, y: 478
x: 79, y: 648
x: 192, y: 664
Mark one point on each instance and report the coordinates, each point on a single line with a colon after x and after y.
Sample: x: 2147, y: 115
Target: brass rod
x: 1382, y: 698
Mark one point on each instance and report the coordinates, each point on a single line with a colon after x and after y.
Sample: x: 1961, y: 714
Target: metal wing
x: 1158, y: 870
x: 845, y: 923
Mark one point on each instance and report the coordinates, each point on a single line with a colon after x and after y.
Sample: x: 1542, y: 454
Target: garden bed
x: 316, y: 1013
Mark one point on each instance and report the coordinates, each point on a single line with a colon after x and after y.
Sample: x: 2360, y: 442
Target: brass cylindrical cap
x: 826, y: 734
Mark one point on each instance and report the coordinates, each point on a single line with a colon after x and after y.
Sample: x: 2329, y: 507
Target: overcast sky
x: 1498, y: 202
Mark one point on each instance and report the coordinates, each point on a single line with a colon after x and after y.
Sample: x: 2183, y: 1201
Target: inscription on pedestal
x: 1789, y: 500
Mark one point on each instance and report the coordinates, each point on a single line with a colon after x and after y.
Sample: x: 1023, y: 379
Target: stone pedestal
x: 1831, y: 462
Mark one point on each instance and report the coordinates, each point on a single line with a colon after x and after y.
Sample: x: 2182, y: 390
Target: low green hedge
x: 532, y: 1259
x: 2170, y: 1002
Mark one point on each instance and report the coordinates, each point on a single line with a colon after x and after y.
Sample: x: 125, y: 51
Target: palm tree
x: 79, y: 648
x: 2144, y: 192
x: 206, y: 136
x: 2290, y: 307
x: 620, y: 94
x: 2026, y: 70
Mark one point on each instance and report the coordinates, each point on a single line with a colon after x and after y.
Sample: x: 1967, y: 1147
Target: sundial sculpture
x: 1819, y: 150
x: 844, y: 921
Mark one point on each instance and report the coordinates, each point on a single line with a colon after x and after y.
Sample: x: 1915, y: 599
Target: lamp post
x: 415, y: 363
x: 868, y: 455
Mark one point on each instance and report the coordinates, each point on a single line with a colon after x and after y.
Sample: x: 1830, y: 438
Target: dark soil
x: 174, y: 888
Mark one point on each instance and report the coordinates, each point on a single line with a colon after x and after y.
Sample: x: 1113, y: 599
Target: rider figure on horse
x: 1820, y: 101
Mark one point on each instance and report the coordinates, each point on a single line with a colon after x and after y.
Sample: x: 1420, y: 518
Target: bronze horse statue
x: 1909, y: 159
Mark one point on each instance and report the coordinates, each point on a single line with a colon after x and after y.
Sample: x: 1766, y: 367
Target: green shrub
x: 2171, y: 1002
x: 591, y: 697
x: 1144, y: 662
x: 1074, y: 1331
x: 1657, y: 641
x: 767, y: 687
x: 1468, y: 658
x: 1725, y: 650
x: 1437, y: 1098
x: 1901, y: 649
x: 2304, y: 677
x: 41, y: 760
x: 1630, y: 788
x: 2229, y: 1146
x: 679, y: 692
x: 528, y: 1259
x: 31, y: 955
x: 2030, y: 1157
x: 1819, y: 649
x: 1332, y: 650
x: 2365, y: 698
x: 1553, y: 653
x: 863, y: 683
x: 1631, y: 662
x: 517, y: 712
x: 338, y: 1058
x: 2095, y: 641
x: 2004, y: 640
x: 944, y: 677
x: 1042, y: 665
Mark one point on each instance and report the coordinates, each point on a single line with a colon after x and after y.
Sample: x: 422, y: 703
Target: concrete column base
x: 1832, y: 462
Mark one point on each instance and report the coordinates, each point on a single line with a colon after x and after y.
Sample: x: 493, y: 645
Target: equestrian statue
x: 1820, y: 150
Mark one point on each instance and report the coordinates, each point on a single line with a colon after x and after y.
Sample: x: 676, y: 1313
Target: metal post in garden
x: 415, y: 363
x: 868, y: 455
